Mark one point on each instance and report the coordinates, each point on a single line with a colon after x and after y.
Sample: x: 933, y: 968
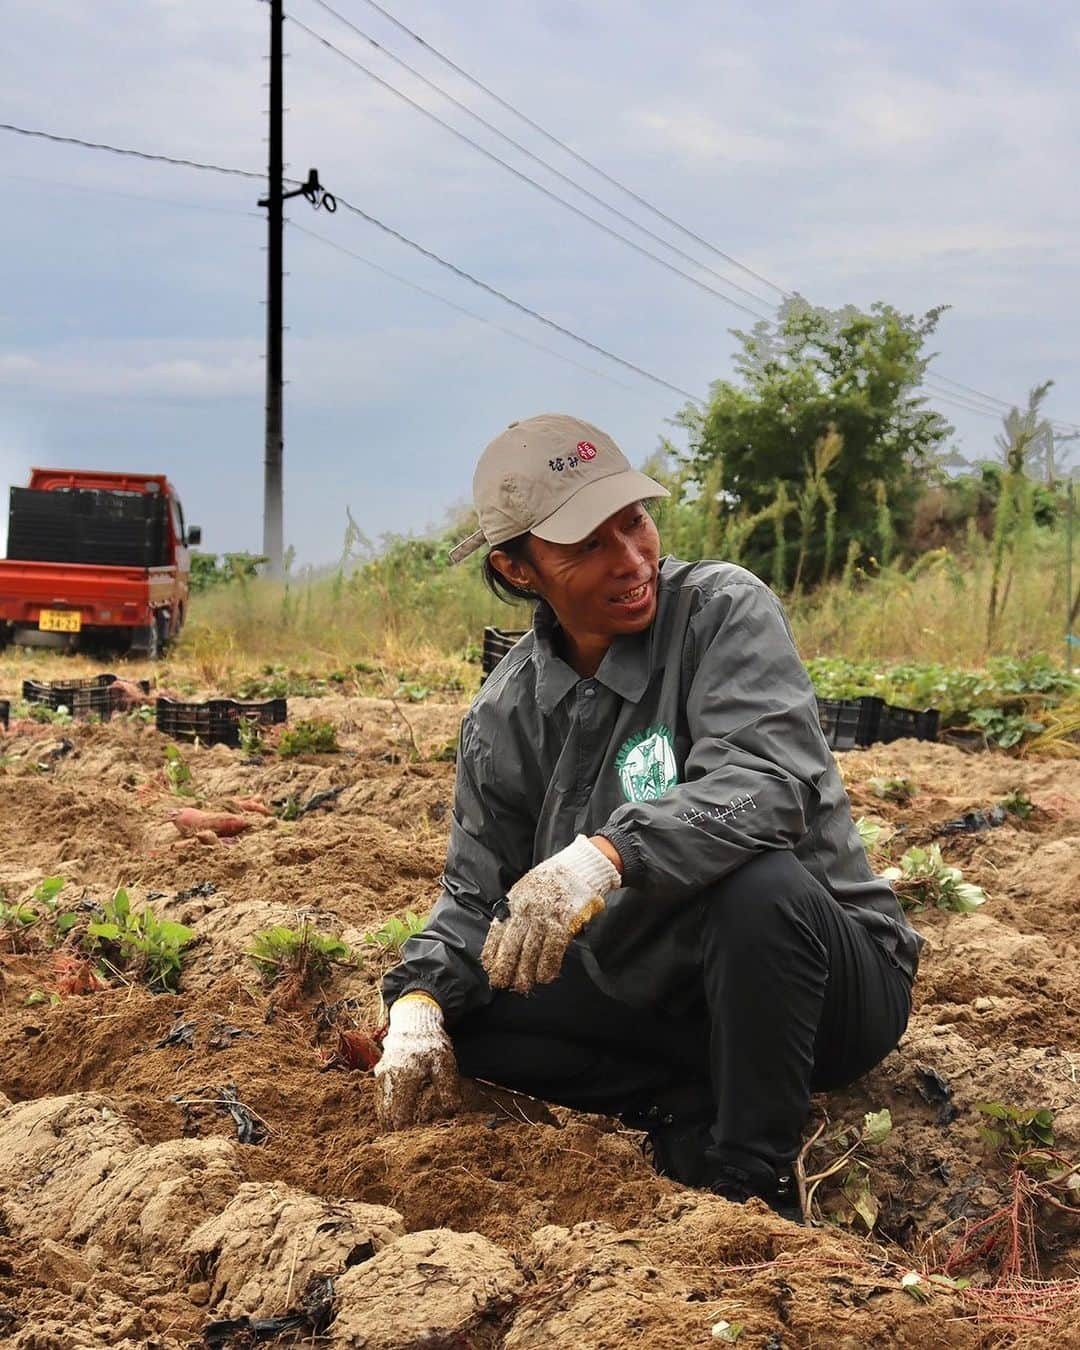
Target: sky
x: 921, y: 154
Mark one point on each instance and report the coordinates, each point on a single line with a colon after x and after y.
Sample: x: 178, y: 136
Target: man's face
x: 605, y: 584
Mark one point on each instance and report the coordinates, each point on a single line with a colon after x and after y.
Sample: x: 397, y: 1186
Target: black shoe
x: 676, y: 1149
x: 779, y: 1192
x: 677, y: 1125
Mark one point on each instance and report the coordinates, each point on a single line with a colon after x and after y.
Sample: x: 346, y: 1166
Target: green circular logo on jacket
x: 646, y: 764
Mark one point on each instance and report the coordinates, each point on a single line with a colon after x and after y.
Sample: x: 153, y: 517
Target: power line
x: 937, y: 396
x: 523, y: 149
x: 595, y: 168
x: 524, y: 177
x: 452, y: 304
x: 396, y: 234
x: 969, y: 406
x: 153, y: 199
x: 967, y: 388
x: 972, y: 403
x: 134, y: 154
x: 642, y: 201
x: 516, y: 304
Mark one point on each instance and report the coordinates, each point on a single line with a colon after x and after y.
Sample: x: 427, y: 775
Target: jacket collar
x: 625, y: 669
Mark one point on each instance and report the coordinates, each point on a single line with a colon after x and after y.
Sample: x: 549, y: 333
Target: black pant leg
x: 570, y: 1043
x: 799, y: 997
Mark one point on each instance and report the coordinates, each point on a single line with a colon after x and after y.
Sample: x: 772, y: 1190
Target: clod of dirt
x: 271, y: 1239
x: 150, y: 1204
x: 52, y: 1152
x: 429, y: 1288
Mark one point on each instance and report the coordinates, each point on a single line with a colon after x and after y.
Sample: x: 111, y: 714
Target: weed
x: 395, y: 932
x: 302, y: 953
x: 844, y: 1146
x: 178, y: 773
x: 313, y: 736
x: 923, y: 878
x: 149, y: 947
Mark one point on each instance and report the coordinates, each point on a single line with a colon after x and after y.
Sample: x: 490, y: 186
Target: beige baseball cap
x: 554, y: 476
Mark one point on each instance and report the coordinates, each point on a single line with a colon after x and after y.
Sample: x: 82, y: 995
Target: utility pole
x: 273, y: 494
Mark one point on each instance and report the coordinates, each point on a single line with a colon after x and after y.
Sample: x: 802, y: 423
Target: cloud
x: 135, y: 369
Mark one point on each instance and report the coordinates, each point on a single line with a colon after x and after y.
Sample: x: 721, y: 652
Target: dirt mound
x: 270, y: 1240
x: 703, y: 1263
x: 149, y: 1204
x: 428, y: 1288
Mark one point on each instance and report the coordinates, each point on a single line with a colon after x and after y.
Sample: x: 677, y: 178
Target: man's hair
x: 517, y: 549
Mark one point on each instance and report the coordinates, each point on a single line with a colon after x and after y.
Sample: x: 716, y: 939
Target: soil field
x: 138, y: 1210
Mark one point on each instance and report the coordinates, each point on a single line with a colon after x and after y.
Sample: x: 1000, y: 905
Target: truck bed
x: 104, y: 596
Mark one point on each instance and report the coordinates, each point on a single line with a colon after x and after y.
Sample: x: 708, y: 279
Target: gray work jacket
x: 694, y: 747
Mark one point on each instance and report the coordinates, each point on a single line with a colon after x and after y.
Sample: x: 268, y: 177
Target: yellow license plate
x: 60, y: 621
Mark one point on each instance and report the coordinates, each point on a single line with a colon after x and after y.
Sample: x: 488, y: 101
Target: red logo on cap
x: 586, y: 449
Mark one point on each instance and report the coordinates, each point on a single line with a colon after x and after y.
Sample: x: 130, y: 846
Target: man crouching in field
x: 655, y: 902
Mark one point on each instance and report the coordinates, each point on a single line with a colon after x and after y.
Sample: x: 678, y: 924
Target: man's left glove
x: 417, y: 1076
x: 549, y: 906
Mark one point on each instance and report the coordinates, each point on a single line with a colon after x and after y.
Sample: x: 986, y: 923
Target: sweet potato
x: 193, y: 821
x: 252, y: 805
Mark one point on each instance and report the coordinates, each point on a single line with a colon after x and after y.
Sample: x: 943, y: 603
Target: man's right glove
x: 417, y: 1077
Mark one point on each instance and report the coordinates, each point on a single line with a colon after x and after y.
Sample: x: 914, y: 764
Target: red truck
x: 95, y: 557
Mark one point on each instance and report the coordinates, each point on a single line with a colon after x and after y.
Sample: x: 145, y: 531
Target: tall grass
x: 417, y: 619
x: 935, y: 609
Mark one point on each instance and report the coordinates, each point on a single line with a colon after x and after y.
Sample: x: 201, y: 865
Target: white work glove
x: 549, y: 906
x: 417, y: 1077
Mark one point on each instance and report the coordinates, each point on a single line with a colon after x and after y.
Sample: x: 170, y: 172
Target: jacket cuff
x: 633, y: 866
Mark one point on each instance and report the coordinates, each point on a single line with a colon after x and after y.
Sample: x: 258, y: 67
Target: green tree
x: 846, y: 378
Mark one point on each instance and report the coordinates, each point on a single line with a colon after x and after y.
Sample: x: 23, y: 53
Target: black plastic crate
x: 5, y: 712
x: 899, y: 722
x: 849, y: 723
x: 218, y: 720
x: 91, y: 697
x: 497, y: 642
x: 87, y: 525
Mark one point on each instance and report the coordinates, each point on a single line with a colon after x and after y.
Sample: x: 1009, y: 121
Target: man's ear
x: 514, y: 570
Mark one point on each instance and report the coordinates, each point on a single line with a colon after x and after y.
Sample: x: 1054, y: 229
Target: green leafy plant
x: 38, y: 996
x: 1018, y: 803
x: 414, y: 693
x: 311, y: 736
x: 41, y: 712
x: 178, y: 773
x: 1015, y: 1128
x: 303, y: 953
x: 251, y: 736
x: 149, y: 947
x: 892, y: 789
x: 395, y: 932
x: 923, y: 878
x: 42, y: 911
x: 1005, y: 729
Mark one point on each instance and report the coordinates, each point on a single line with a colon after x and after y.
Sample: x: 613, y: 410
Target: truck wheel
x: 146, y: 642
